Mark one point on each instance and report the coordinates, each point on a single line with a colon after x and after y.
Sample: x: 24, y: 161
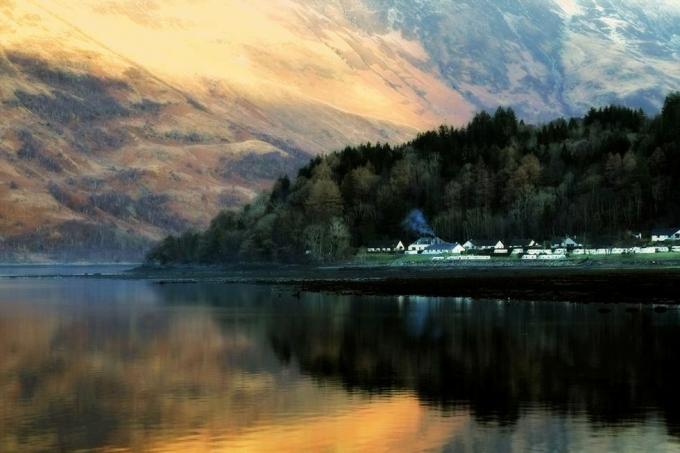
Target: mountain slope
x: 104, y: 148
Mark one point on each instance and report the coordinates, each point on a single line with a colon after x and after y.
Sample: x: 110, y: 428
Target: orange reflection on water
x: 176, y: 382
x: 394, y: 423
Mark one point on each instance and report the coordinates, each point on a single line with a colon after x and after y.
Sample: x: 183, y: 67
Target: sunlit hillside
x: 149, y: 117
x: 272, y: 53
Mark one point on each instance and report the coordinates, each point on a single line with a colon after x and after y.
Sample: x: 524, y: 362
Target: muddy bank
x: 654, y: 286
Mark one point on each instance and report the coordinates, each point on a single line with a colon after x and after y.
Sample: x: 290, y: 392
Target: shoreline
x: 588, y: 284
x: 637, y: 283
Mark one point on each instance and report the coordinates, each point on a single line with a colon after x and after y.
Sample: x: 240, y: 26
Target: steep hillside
x: 122, y: 121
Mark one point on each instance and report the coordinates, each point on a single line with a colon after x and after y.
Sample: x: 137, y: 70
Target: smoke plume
x: 415, y: 222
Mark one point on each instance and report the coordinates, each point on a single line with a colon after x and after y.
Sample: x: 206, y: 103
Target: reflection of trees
x: 495, y: 358
x: 88, y: 378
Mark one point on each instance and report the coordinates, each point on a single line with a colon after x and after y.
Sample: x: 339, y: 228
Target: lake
x: 116, y: 365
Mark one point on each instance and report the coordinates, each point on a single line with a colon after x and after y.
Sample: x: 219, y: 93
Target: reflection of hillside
x: 496, y: 359
x: 181, y: 378
x: 86, y: 380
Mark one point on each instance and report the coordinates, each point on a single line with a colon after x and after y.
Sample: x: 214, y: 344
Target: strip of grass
x: 401, y: 259
x: 646, y: 257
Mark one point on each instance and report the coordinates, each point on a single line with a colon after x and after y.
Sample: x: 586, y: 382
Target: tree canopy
x: 612, y: 171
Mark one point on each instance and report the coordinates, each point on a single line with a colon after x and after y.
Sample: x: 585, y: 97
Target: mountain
x: 547, y: 58
x: 123, y: 120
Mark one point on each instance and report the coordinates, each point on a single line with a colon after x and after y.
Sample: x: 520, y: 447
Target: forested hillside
x: 607, y: 174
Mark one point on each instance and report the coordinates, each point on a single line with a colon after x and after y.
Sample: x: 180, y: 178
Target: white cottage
x: 421, y: 244
x: 483, y: 245
x: 519, y: 246
x: 567, y: 243
x: 444, y: 248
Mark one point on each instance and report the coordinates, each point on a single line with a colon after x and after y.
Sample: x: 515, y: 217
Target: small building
x: 520, y: 246
x: 483, y: 245
x: 521, y: 243
x: 394, y: 246
x: 666, y: 234
x: 421, y: 244
x: 567, y: 243
x: 444, y: 248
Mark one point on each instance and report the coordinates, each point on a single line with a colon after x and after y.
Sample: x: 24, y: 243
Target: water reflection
x: 113, y: 364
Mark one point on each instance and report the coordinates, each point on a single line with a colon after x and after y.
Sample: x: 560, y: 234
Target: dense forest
x: 612, y: 172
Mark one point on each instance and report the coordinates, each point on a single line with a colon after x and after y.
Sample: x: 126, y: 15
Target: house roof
x: 484, y: 242
x: 665, y: 231
x: 566, y: 240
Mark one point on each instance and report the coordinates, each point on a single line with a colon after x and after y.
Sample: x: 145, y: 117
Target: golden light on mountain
x: 272, y: 50
x: 180, y: 96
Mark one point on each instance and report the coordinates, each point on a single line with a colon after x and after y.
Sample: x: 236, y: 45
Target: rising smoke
x: 415, y: 222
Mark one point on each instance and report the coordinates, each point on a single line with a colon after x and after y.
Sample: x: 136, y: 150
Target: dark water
x: 132, y: 366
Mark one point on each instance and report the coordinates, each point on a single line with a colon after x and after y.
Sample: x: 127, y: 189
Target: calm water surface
x: 128, y: 365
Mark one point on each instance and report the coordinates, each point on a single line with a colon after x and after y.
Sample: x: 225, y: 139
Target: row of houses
x: 666, y: 235
x: 437, y: 246
x: 433, y: 246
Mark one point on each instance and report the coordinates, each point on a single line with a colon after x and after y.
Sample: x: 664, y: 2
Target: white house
x: 483, y: 245
x: 421, y: 244
x: 444, y: 248
x: 567, y: 243
x: 519, y: 246
x: 666, y: 234
x: 395, y: 246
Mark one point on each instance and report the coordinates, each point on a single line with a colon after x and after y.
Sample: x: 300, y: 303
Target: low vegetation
x: 150, y: 208
x: 613, y: 171
x: 75, y: 98
x: 258, y: 166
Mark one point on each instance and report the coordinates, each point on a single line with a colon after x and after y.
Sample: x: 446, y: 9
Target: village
x: 660, y: 241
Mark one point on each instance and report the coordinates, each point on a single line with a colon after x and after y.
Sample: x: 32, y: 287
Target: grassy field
x: 387, y: 259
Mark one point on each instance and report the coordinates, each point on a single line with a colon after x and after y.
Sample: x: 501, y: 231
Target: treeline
x: 613, y: 171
